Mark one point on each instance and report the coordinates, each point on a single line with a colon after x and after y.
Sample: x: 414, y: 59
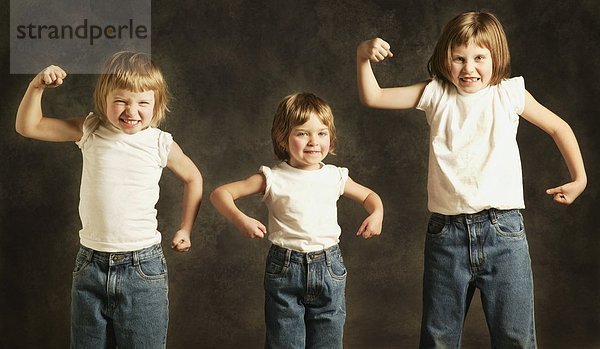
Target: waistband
x: 491, y: 214
x: 302, y: 257
x: 114, y: 258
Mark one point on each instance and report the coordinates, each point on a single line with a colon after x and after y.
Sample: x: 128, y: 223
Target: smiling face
x: 308, y: 144
x: 471, y: 68
x: 130, y: 111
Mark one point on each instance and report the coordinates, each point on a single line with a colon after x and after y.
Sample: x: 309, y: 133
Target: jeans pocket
x: 436, y: 227
x: 336, y: 268
x: 152, y: 268
x: 81, y: 262
x: 275, y: 267
x: 510, y: 224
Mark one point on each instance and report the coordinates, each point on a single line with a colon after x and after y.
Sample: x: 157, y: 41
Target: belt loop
x: 89, y: 254
x: 493, y: 215
x: 448, y: 219
x: 288, y: 256
x: 328, y: 256
x: 135, y: 258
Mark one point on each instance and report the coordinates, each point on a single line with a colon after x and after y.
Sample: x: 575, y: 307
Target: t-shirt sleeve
x: 90, y: 124
x: 432, y: 93
x: 343, y: 179
x: 266, y: 171
x: 165, y: 141
x: 515, y: 90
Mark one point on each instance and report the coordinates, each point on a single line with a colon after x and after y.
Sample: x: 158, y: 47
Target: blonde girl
x: 120, y: 285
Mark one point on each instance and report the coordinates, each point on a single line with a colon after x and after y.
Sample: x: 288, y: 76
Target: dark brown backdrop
x: 228, y: 64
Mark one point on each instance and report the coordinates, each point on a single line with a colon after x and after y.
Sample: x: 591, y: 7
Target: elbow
x: 561, y: 130
x: 367, y: 101
x: 20, y: 129
x: 23, y: 131
x: 364, y: 101
x: 372, y: 99
x: 215, y: 195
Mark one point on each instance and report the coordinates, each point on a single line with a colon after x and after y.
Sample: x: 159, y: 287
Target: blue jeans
x: 305, y: 303
x: 487, y: 250
x: 119, y: 299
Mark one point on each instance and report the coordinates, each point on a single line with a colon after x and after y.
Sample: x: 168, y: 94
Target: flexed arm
x: 223, y: 199
x: 371, y: 202
x: 369, y: 91
x: 188, y: 173
x: 30, y: 121
x: 563, y: 136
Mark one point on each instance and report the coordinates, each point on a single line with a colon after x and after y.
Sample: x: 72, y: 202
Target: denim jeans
x: 488, y: 251
x: 305, y: 298
x: 119, y: 299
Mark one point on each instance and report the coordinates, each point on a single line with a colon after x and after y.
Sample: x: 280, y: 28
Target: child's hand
x: 51, y: 76
x: 371, y: 226
x: 567, y: 193
x: 375, y: 50
x: 181, y: 241
x: 251, y: 228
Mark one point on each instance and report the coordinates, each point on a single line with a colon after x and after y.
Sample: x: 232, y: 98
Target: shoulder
x: 516, y: 82
x: 165, y: 144
x: 513, y: 90
x: 89, y: 125
x: 432, y: 93
x: 269, y: 173
x: 336, y: 171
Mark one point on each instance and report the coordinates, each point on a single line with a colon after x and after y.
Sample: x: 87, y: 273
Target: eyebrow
x: 298, y: 128
x: 127, y: 98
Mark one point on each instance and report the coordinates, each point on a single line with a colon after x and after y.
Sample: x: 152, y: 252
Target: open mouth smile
x: 129, y: 122
x: 469, y: 79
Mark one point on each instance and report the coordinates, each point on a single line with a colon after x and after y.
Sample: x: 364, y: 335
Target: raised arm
x: 371, y: 226
x: 184, y: 168
x: 223, y: 199
x: 563, y: 136
x: 369, y: 92
x: 30, y: 121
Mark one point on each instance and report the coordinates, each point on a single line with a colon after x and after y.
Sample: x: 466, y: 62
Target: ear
x: 284, y: 147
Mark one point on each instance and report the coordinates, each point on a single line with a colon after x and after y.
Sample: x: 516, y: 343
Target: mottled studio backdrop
x: 228, y: 64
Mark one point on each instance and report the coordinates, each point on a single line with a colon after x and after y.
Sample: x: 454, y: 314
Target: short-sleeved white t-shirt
x: 474, y: 161
x: 119, y: 186
x: 303, y: 206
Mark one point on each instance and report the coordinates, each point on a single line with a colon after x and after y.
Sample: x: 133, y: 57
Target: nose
x: 130, y: 110
x: 313, y: 140
x: 469, y: 66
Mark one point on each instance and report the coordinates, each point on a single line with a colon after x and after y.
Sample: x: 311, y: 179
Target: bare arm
x: 184, y: 168
x: 372, y: 225
x: 563, y: 136
x: 223, y: 199
x: 30, y: 121
x: 369, y: 91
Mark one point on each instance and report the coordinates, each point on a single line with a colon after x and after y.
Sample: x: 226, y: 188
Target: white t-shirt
x: 303, y: 206
x: 474, y: 161
x: 119, y: 186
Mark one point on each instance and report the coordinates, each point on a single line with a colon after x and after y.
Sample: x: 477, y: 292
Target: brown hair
x: 135, y: 72
x: 480, y: 28
x: 295, y: 110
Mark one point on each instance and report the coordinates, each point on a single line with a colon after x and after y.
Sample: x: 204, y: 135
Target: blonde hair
x: 479, y: 28
x: 295, y: 110
x: 135, y: 72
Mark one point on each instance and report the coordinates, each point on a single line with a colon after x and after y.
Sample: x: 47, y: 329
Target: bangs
x: 476, y: 34
x: 136, y: 74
